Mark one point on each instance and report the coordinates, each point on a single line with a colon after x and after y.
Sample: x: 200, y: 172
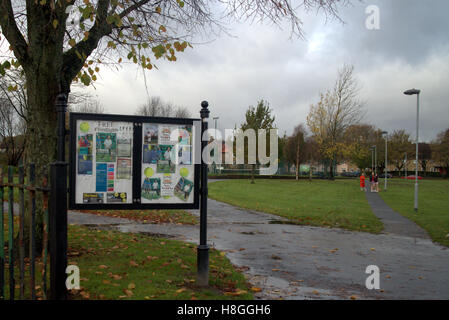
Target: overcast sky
x: 411, y: 50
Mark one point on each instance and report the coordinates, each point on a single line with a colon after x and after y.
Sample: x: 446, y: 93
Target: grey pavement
x: 394, y: 222
x: 301, y: 262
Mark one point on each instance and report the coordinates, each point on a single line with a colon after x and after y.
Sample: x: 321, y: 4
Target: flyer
x: 185, y: 155
x: 166, y: 161
x: 150, y: 153
x: 116, y: 197
x: 151, y: 188
x: 183, y: 189
x: 165, y: 135
x: 106, y: 147
x: 124, y: 168
x: 93, y: 198
x: 185, y: 135
x: 167, y: 186
x: 124, y: 148
x: 151, y: 133
x: 84, y: 164
x: 101, y: 177
x: 85, y: 141
x: 111, y: 177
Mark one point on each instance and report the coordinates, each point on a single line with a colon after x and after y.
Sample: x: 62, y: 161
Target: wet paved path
x: 394, y: 222
x: 300, y: 262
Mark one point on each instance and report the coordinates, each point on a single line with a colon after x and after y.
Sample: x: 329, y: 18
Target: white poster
x: 103, y: 162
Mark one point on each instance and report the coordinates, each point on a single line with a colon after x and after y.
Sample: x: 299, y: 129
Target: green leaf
x: 158, y: 51
x: 55, y: 23
x: 85, y: 79
x: 72, y: 42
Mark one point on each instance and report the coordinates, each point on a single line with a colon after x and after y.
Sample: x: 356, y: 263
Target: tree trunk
x: 253, y: 167
x: 297, y: 171
x: 41, y: 136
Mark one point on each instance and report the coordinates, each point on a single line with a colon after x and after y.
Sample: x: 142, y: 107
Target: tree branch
x: 12, y: 32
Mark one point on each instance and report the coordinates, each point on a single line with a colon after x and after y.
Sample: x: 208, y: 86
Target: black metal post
x: 203, y: 248
x: 58, y: 210
x: 61, y: 108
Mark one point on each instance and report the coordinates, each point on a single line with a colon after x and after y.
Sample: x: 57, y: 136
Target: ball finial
x: 204, y: 104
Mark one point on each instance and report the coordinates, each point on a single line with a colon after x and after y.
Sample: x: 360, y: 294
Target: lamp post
x: 410, y: 93
x: 215, y: 126
x: 375, y: 158
x: 386, y: 158
x: 405, y: 166
x: 215, y: 140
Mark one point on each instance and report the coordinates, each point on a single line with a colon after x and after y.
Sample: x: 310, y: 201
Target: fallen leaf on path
x: 256, y: 289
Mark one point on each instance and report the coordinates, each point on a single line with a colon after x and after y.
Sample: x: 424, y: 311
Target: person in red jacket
x: 362, y: 182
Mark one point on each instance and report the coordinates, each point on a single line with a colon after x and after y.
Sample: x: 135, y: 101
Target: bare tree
x: 88, y: 106
x: 294, y: 150
x: 156, y: 107
x: 12, y: 133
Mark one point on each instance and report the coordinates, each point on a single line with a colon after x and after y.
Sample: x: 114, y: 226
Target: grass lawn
x: 433, y: 204
x: 338, y: 203
x: 116, y: 265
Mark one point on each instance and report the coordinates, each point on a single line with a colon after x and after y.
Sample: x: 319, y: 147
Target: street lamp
x: 215, y: 139
x: 386, y: 158
x: 215, y: 126
x: 410, y: 93
x: 375, y: 158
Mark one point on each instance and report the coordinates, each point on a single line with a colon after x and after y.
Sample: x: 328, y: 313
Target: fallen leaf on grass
x: 131, y: 286
x: 256, y: 289
x: 106, y: 281
x: 133, y: 263
x: 181, y: 290
x: 102, y: 266
x: 129, y: 293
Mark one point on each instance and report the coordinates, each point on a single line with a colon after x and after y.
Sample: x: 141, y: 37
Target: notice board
x: 134, y: 162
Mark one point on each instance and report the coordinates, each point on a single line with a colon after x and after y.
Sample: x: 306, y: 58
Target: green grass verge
x: 433, y: 204
x: 116, y: 265
x: 338, y: 203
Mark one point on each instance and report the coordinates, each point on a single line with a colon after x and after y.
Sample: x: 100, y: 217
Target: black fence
x: 23, y: 269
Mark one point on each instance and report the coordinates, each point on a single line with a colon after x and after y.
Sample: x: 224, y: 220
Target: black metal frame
x: 137, y: 162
